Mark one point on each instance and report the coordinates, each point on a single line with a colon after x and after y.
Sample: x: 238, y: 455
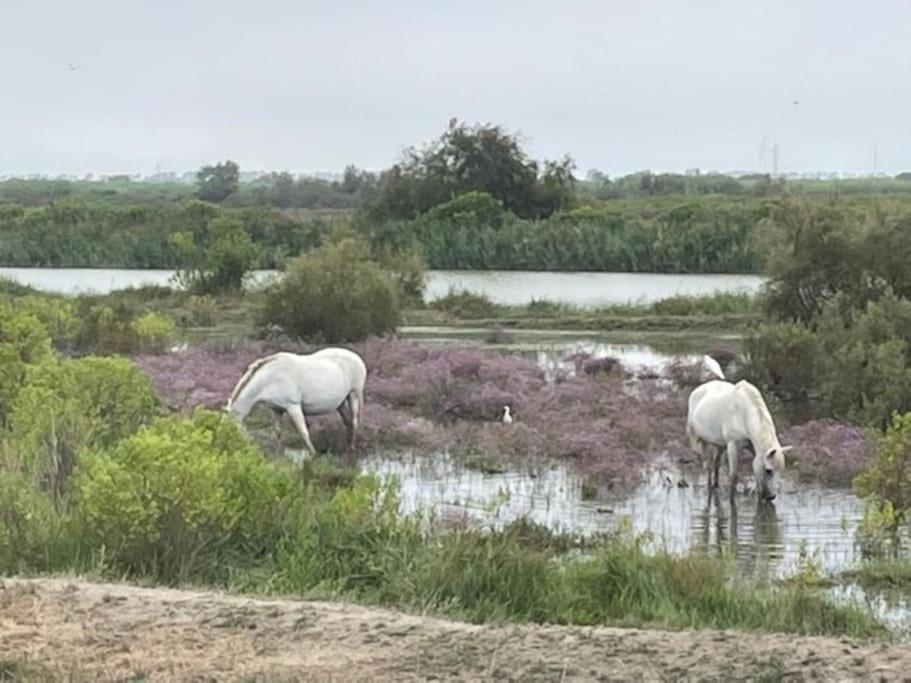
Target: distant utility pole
x: 775, y: 159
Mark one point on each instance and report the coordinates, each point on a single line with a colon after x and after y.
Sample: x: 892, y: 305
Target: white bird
x: 507, y: 416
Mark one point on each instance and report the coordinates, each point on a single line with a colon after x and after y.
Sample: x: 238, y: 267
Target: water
x: 808, y: 523
x: 504, y: 287
x: 768, y: 541
x: 588, y: 290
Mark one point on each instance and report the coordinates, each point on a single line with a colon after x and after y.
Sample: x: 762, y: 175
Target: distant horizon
x: 254, y: 174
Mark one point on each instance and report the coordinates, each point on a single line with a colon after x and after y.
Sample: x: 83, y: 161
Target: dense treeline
x: 471, y: 199
x: 474, y: 231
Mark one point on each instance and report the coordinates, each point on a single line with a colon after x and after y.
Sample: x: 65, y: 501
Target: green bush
x: 408, y: 269
x: 23, y: 341
x: 203, y: 310
x: 784, y: 357
x: 30, y: 528
x: 177, y: 499
x: 217, y: 259
x: 68, y: 406
x: 334, y: 293
x: 886, y: 482
x: 58, y: 316
x: 464, y: 304
x: 155, y: 333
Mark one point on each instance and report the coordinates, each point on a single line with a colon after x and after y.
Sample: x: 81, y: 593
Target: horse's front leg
x: 278, y: 414
x: 733, y: 453
x: 297, y: 417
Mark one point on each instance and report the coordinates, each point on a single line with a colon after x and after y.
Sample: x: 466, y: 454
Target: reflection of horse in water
x: 754, y: 552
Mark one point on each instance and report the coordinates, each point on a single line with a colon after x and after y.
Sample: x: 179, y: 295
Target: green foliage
x: 67, y: 406
x: 217, y: 181
x: 218, y: 260
x: 886, y: 482
x: 464, y: 304
x: 481, y: 158
x: 469, y: 209
x: 23, y: 341
x: 155, y: 333
x: 57, y: 315
x: 408, y: 269
x: 30, y: 528
x: 178, y: 498
x: 856, y: 361
x: 334, y: 293
x: 203, y: 310
x: 785, y: 358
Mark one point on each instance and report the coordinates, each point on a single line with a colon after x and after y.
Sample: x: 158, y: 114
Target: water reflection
x: 674, y: 508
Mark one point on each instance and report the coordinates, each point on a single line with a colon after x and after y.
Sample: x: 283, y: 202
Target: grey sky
x: 308, y: 86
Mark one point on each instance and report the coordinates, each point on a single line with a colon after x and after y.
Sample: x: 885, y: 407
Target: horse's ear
x: 785, y: 449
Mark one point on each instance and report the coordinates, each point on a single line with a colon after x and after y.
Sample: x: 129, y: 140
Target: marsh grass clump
x: 465, y: 304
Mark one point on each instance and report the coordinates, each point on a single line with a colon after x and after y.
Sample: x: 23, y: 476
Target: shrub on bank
x: 336, y: 293
x: 177, y: 499
x: 68, y: 406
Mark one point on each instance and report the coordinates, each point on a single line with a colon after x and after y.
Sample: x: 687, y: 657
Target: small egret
x: 507, y: 416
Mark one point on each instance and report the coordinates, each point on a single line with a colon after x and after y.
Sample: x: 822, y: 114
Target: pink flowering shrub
x: 435, y: 398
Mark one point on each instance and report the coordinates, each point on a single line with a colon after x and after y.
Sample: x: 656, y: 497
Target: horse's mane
x: 248, y: 375
x: 758, y: 403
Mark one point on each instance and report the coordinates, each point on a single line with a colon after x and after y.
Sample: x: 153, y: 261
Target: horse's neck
x: 759, y: 426
x: 247, y: 397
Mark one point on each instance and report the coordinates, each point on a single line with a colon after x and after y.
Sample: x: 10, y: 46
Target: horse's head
x: 767, y: 469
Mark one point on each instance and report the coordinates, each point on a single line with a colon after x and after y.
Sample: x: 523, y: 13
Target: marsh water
x: 671, y: 509
x: 504, y: 287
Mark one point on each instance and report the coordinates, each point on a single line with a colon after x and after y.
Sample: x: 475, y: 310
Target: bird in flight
x: 71, y: 66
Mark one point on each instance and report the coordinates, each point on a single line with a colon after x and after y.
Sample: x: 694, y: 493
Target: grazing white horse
x: 304, y: 384
x: 723, y: 415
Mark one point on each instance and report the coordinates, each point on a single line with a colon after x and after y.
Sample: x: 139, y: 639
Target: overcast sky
x: 123, y: 86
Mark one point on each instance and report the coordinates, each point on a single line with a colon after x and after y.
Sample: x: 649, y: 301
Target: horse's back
x: 351, y: 362
x: 709, y: 410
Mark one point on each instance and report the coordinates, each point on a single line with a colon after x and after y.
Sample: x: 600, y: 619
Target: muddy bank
x: 54, y: 629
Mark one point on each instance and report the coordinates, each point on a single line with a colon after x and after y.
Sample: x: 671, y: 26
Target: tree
x: 218, y: 260
x: 218, y: 181
x: 480, y: 158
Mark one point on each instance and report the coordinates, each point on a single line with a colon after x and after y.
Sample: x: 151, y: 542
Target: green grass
x: 882, y: 574
x: 720, y: 311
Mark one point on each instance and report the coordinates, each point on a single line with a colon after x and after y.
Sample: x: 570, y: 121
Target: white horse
x: 304, y: 384
x: 723, y: 415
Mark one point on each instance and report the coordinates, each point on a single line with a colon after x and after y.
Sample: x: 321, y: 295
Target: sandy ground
x: 62, y: 629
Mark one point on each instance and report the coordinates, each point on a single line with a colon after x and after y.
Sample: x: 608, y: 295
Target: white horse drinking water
x: 310, y: 384
x: 723, y: 415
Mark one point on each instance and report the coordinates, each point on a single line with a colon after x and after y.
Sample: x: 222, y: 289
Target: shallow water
x: 504, y: 287
x: 807, y: 523
x: 767, y: 540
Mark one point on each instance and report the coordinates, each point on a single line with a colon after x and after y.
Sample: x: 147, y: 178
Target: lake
x: 588, y: 290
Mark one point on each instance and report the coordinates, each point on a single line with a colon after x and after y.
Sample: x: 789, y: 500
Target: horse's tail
x: 713, y: 366
x: 247, y: 376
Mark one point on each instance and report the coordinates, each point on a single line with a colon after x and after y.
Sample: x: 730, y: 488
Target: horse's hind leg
x: 347, y: 417
x: 733, y: 453
x: 716, y: 462
x: 355, y: 403
x: 297, y: 417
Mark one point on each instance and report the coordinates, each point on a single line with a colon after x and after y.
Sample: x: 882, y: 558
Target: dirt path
x: 53, y: 629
